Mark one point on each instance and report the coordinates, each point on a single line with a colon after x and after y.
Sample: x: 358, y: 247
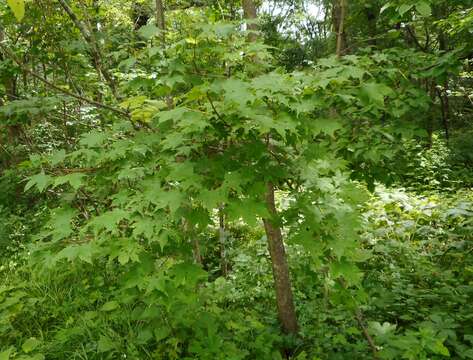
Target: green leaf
x: 83, y: 252
x: 18, y: 8
x: 348, y: 271
x: 211, y: 199
x: 36, y: 357
x: 172, y: 198
x: 306, y: 238
x: 93, y: 139
x: 192, y: 121
x: 247, y: 209
x: 161, y: 333
x: 439, y: 348
x: 374, y: 93
x: 60, y: 222
x: 353, y: 72
x: 74, y: 179
x: 108, y: 220
x: 127, y: 250
x: 144, y: 226
x: 404, y: 8
x: 40, y: 180
x: 5, y: 355
x: 385, y: 7
x: 30, y: 344
x: 105, y: 344
x: 57, y: 157
x: 424, y: 9
x: 326, y: 126
x: 236, y: 91
x: 109, y: 306
x: 188, y: 274
x: 148, y: 31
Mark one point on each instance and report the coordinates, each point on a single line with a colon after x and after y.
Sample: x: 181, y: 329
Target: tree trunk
x: 249, y: 12
x: 196, y: 250
x: 160, y: 20
x: 372, y: 18
x: 161, y: 25
x: 9, y: 84
x: 282, y: 283
x: 222, y: 235
x: 338, y: 21
x: 441, y: 13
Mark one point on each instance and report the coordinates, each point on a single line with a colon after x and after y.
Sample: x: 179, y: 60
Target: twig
x: 413, y: 37
x: 214, y: 109
x: 359, y: 319
x: 96, y: 51
x: 78, y: 170
x: 57, y: 88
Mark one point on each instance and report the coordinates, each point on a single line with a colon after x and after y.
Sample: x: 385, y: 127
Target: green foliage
x: 418, y: 279
x: 135, y: 164
x: 439, y: 167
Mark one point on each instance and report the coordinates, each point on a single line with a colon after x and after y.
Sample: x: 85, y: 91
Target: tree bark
x: 196, y: 251
x: 250, y: 13
x: 282, y: 283
x: 338, y: 19
x: 222, y: 235
x: 9, y: 83
x: 160, y: 20
x: 161, y: 25
x: 441, y: 13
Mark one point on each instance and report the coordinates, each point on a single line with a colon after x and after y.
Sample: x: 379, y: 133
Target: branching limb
x: 94, y: 46
x: 59, y: 89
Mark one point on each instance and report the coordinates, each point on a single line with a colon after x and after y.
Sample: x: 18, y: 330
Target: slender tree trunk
x: 9, y: 84
x: 445, y: 109
x: 282, y: 283
x: 161, y: 25
x: 250, y: 13
x: 339, y: 13
x: 188, y: 229
x: 431, y: 116
x: 443, y: 93
x: 160, y: 20
x: 222, y: 235
x: 372, y: 17
x: 197, y: 253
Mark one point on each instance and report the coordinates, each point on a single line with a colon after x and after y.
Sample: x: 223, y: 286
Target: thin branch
x: 84, y: 31
x: 360, y: 320
x: 214, y: 109
x: 61, y: 171
x: 414, y: 37
x: 96, y: 52
x: 190, y: 4
x: 59, y: 89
